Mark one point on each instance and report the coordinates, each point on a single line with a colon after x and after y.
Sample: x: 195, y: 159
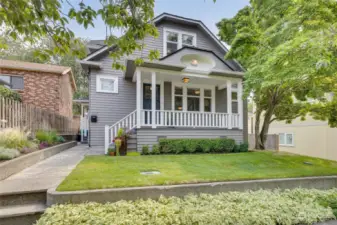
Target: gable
x: 205, y: 60
x: 204, y: 39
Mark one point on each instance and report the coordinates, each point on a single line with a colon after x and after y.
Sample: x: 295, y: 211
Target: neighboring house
x: 190, y: 92
x: 45, y: 86
x: 310, y: 137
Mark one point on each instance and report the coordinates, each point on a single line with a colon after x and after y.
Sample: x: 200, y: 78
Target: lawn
x: 97, y: 172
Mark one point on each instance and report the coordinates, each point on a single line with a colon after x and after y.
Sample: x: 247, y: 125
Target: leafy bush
x: 299, y: 206
x: 177, y: 146
x: 15, y: 138
x: 145, y: 150
x: 49, y: 137
x: 155, y: 150
x: 244, y: 147
x: 8, y: 153
x: 9, y: 94
x: 60, y: 139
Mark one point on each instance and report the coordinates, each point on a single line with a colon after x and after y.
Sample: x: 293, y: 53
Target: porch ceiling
x: 174, y: 78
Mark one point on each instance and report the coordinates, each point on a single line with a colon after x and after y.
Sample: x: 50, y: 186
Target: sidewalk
x: 45, y: 174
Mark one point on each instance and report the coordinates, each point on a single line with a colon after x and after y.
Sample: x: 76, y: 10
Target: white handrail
x: 127, y: 123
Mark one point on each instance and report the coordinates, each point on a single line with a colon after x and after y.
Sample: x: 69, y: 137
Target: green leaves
x: 289, y: 50
x: 33, y: 20
x: 263, y: 207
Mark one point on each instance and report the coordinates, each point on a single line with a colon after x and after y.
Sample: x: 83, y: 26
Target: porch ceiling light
x: 194, y: 62
x: 186, y: 80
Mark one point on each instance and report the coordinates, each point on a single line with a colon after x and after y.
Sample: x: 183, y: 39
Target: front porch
x: 169, y: 99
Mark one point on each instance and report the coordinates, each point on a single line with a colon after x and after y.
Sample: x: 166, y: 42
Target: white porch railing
x: 127, y: 123
x: 167, y: 118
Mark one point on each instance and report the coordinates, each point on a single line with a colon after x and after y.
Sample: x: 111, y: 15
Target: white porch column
x: 139, y: 97
x: 153, y: 104
x: 229, y: 103
x: 240, y: 105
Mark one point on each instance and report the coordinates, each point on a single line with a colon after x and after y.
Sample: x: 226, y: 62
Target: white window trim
x: 98, y: 83
x: 180, y: 40
x: 285, y: 140
x: 201, y: 97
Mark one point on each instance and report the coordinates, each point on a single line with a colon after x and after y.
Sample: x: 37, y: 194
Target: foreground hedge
x: 203, y: 145
x: 299, y: 206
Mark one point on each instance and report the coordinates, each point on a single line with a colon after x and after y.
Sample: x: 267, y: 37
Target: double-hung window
x: 176, y: 39
x: 286, y: 139
x: 192, y: 98
x: 235, y: 102
x: 107, y: 84
x: 207, y: 100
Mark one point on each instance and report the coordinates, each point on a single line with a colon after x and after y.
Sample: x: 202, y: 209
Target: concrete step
x: 24, y: 198
x: 22, y: 214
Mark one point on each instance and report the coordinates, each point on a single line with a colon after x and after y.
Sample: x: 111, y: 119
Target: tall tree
x: 32, y: 20
x: 289, y: 48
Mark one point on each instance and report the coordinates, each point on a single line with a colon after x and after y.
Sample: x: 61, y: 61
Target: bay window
x: 176, y: 39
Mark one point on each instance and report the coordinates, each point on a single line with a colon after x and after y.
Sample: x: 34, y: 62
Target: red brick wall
x: 44, y: 90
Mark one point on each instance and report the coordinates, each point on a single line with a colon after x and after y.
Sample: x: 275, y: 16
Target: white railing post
x: 240, y: 105
x: 139, y: 100
x: 153, y: 105
x: 229, y: 103
x: 106, y: 139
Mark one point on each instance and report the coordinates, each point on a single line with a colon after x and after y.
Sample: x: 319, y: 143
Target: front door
x: 147, y: 101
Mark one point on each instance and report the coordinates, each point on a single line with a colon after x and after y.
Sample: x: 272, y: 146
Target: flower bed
x: 15, y: 142
x: 201, y: 145
x: 298, y: 206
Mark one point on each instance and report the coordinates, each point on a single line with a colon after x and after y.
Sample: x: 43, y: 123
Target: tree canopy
x: 289, y: 50
x: 32, y: 20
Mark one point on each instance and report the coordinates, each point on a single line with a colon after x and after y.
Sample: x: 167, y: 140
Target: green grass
x: 96, y: 172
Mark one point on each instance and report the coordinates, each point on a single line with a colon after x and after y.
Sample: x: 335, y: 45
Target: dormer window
x: 176, y: 39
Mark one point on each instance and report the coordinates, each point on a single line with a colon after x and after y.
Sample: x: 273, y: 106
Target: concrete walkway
x: 48, y: 173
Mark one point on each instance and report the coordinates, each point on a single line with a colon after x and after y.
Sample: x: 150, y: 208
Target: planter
x: 112, y: 153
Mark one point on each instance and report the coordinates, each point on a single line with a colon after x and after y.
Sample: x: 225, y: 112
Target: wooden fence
x: 16, y: 114
x: 272, y: 142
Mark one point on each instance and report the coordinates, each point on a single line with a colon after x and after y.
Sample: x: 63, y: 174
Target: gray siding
x: 148, y: 136
x: 221, y: 100
x: 167, y: 96
x: 110, y: 108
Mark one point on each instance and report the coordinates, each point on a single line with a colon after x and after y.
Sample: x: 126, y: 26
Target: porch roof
x: 188, y: 59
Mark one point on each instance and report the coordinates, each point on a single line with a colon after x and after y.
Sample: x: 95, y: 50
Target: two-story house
x: 190, y: 92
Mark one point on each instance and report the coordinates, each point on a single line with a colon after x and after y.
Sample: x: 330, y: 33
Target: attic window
x: 176, y: 39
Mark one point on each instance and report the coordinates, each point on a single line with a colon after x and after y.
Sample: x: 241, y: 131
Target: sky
x: 205, y: 10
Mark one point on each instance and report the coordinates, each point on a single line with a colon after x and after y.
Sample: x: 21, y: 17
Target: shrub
x: 155, y: 150
x: 8, y: 153
x: 177, y: 146
x: 60, y: 139
x: 145, y: 150
x: 263, y: 207
x: 15, y: 138
x: 49, y: 137
x: 9, y: 94
x: 244, y: 147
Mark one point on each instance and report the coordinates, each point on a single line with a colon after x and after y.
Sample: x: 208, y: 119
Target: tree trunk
x: 257, y: 129
x: 265, y: 127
